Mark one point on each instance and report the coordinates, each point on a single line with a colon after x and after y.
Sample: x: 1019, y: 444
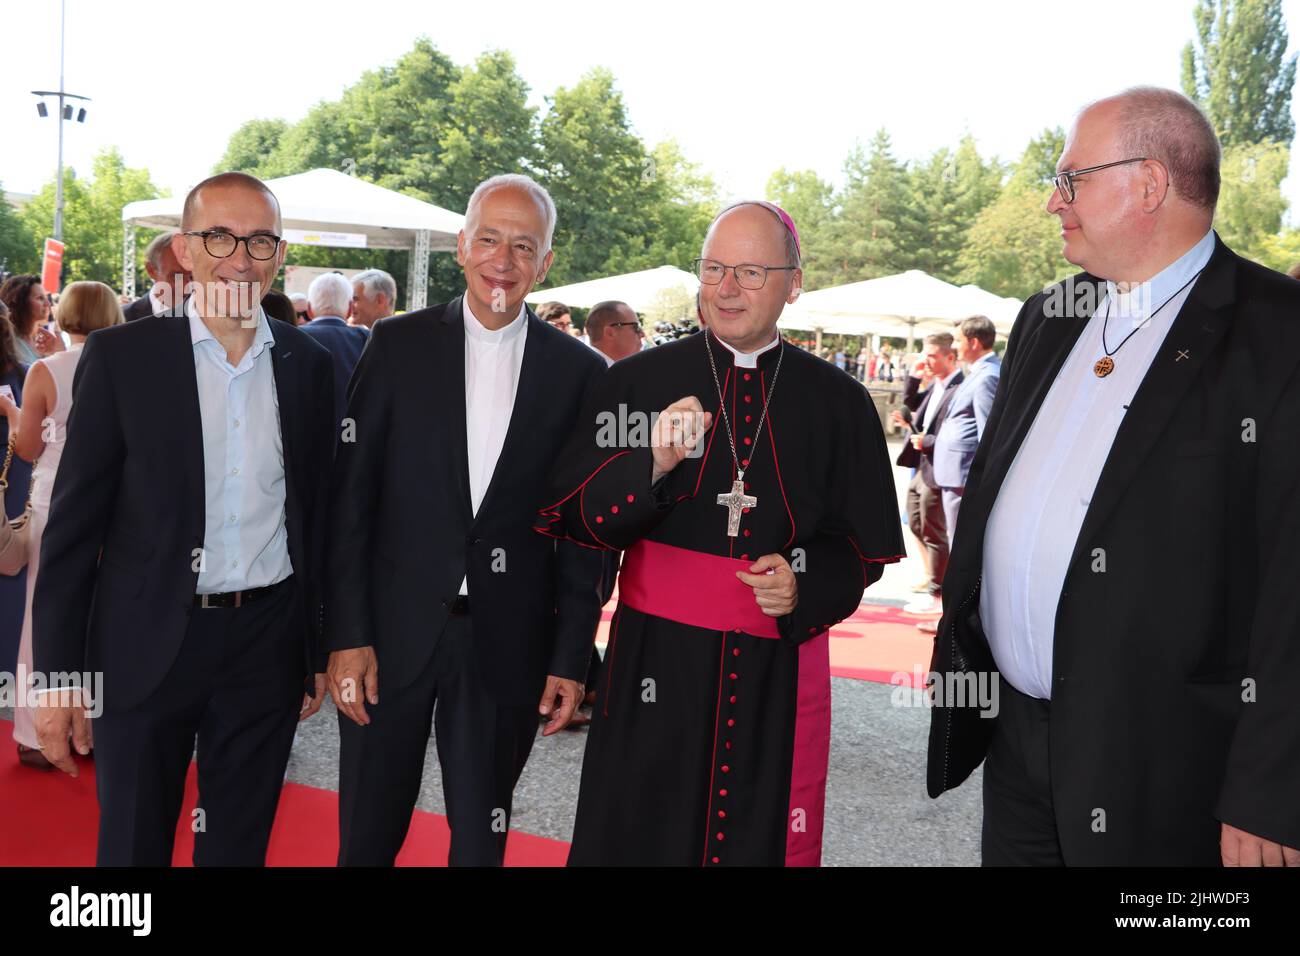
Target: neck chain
x: 736, y: 502
x: 1106, y: 365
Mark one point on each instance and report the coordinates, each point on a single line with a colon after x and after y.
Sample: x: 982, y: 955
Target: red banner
x: 52, y: 270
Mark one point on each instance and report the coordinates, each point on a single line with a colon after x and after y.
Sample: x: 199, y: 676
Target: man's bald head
x: 757, y: 213
x: 226, y: 181
x: 1165, y: 125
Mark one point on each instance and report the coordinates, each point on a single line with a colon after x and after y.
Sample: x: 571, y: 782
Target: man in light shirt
x: 182, y: 559
x: 445, y: 605
x: 1127, y: 557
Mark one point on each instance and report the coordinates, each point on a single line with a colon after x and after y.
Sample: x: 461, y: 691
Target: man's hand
x: 352, y: 673
x: 775, y: 588
x: 311, y: 703
x: 678, y: 430
x: 1239, y: 848
x: 918, y: 442
x: 58, y: 716
x: 568, y: 693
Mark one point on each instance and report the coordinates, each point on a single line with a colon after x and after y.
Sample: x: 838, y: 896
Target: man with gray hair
x: 454, y: 417
x: 1122, y: 586
x: 329, y: 303
x: 374, y: 296
x: 169, y: 280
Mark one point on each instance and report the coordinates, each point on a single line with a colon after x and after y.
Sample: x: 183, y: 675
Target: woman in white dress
x: 41, y: 427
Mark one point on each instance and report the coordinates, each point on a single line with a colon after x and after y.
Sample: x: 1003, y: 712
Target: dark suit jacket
x: 403, y: 535
x: 1197, y: 511
x: 919, y: 402
x: 344, y: 343
x: 131, y: 483
x: 141, y: 308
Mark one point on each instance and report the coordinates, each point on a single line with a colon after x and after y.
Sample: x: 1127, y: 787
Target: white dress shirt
x: 244, y: 539
x: 492, y: 364
x: 1035, y: 522
x: 937, y: 388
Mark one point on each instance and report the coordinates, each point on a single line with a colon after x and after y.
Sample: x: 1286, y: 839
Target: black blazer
x: 141, y: 308
x: 918, y: 402
x: 402, y: 535
x: 344, y: 343
x: 131, y: 483
x: 1197, y: 512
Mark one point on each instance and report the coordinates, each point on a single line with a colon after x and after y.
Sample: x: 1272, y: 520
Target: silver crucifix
x: 734, y: 502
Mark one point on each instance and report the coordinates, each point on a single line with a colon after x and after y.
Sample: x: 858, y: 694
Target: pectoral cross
x: 734, y: 502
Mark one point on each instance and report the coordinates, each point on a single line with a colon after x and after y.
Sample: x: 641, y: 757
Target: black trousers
x: 482, y: 747
x: 1019, y: 817
x: 236, y: 688
x: 926, y: 519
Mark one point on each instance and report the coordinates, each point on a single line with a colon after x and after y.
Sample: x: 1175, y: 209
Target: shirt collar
x: 1141, y: 302
x: 943, y: 382
x: 199, y: 332
x: 476, y: 330
x: 750, y: 359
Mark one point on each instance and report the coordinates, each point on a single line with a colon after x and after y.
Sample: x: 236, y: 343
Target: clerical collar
x: 749, y: 359
x: 1142, y: 301
x: 475, y: 329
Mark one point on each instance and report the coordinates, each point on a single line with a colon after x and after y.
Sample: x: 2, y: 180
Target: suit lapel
x: 191, y: 433
x: 284, y: 367
x: 448, y: 392
x: 949, y: 394
x: 529, y: 394
x: 1200, y: 325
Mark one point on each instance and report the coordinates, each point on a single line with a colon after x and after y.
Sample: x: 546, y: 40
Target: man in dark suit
x: 1127, y: 560
x: 169, y: 280
x: 184, y: 550
x: 329, y: 300
x: 437, y: 578
x: 924, y: 499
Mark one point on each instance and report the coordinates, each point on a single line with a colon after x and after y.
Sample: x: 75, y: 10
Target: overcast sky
x: 170, y: 81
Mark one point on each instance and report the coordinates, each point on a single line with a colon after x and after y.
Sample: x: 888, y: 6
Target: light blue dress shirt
x: 245, y: 544
x: 1035, y: 522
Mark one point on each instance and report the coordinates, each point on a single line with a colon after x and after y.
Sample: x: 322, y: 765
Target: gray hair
x: 375, y: 281
x: 297, y: 298
x: 1165, y: 125
x: 153, y: 252
x: 330, y: 294
x: 521, y: 182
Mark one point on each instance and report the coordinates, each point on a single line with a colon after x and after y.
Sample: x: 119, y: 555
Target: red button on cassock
x: 715, y: 859
x: 733, y: 698
x: 631, y: 498
x: 600, y: 519
x: 748, y: 440
x: 748, y: 376
x: 721, y: 836
x: 748, y: 419
x: 735, y: 652
x: 726, y: 769
x: 722, y: 814
x: 722, y: 793
x: 733, y: 676
x: 731, y: 723
x: 746, y: 532
x: 614, y: 509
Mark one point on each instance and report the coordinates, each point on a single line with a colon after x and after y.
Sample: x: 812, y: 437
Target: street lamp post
x: 64, y: 113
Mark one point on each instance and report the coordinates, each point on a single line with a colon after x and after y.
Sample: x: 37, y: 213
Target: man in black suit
x: 184, y: 550
x: 329, y: 299
x: 437, y: 579
x: 924, y: 500
x: 169, y: 280
x: 1126, y: 560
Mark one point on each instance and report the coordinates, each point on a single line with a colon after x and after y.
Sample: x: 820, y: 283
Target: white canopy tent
x: 640, y: 290
x: 324, y: 207
x: 896, y: 305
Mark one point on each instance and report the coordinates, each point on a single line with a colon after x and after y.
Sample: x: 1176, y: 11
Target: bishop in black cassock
x: 712, y: 723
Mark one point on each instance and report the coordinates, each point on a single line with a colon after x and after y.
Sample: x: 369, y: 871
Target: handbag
x: 15, y: 534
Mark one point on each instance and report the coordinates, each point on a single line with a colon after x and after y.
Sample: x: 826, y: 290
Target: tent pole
x: 128, y: 259
x: 417, y: 277
x: 819, y: 340
x: 911, y: 335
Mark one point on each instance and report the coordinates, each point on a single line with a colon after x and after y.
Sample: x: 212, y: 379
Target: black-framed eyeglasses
x: 748, y: 275
x: 222, y: 245
x: 639, y: 330
x: 1064, y: 181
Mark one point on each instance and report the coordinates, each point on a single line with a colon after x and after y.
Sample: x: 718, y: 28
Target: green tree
x: 16, y: 245
x: 949, y: 191
x: 1241, y: 74
x: 251, y: 146
x: 810, y: 201
x: 92, y: 217
x: 1014, y: 245
x: 1251, y: 204
x: 876, y: 231
x: 599, y: 174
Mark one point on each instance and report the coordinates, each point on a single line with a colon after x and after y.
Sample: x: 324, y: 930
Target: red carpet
x: 49, y: 819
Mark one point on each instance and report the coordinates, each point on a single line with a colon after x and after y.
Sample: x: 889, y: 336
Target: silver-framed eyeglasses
x: 748, y: 275
x: 1064, y: 180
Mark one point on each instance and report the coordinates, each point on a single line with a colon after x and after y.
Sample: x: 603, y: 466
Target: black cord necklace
x: 1106, y: 365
